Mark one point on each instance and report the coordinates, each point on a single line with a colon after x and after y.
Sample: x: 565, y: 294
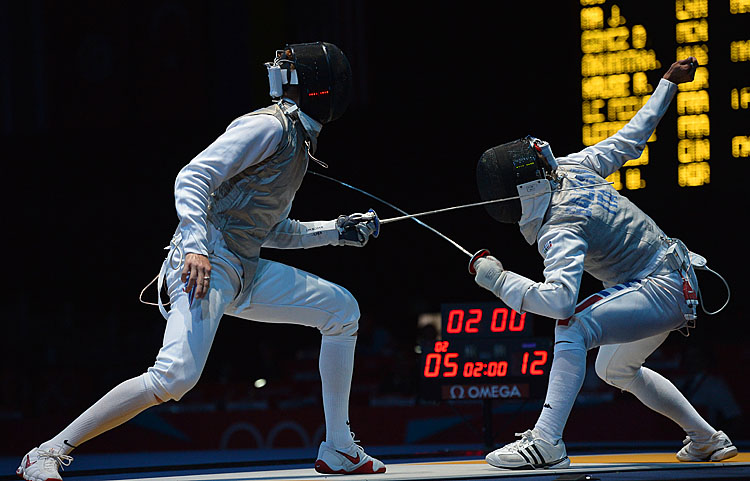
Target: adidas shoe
x: 352, y: 460
x: 43, y: 465
x: 530, y: 452
x: 717, y: 448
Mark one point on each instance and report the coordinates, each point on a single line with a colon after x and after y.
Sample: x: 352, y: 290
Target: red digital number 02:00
x: 489, y: 369
x: 502, y: 319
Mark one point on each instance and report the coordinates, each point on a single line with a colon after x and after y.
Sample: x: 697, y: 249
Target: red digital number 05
x: 433, y: 362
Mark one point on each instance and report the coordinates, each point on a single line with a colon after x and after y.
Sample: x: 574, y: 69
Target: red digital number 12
x: 534, y: 368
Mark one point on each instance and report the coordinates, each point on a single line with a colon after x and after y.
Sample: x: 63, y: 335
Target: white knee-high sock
x: 659, y: 394
x: 565, y: 380
x: 336, y: 364
x: 120, y: 404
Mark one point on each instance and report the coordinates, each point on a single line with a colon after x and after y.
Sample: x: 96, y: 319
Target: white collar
x: 311, y: 126
x: 535, y: 198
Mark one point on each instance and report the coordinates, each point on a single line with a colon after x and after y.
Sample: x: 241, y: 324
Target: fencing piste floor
x: 606, y: 467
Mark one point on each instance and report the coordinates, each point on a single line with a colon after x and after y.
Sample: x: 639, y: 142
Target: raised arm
x: 628, y: 143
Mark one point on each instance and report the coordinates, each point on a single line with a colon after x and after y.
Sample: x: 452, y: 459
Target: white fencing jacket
x: 595, y: 229
x: 237, y: 172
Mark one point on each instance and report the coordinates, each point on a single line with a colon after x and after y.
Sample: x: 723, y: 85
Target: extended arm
x: 628, y: 143
x: 352, y: 230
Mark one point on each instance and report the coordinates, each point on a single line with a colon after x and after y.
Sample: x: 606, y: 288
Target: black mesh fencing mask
x: 325, y: 79
x: 502, y: 168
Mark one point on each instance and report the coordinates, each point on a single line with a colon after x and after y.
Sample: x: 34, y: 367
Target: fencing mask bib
x: 323, y: 74
x: 503, y: 168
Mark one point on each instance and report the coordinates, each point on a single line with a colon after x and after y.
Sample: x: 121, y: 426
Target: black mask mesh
x: 325, y: 80
x: 502, y: 168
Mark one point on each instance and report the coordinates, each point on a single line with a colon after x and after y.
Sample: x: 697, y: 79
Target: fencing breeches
x: 280, y: 294
x: 629, y: 321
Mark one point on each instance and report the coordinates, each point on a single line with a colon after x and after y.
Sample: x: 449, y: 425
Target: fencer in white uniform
x: 233, y: 199
x: 582, y: 224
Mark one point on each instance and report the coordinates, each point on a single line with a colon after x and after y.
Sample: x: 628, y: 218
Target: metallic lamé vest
x: 623, y: 242
x: 246, y: 207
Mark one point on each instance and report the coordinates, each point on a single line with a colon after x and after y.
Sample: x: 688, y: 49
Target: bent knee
x: 570, y: 336
x: 600, y: 366
x: 170, y: 384
x: 344, y: 320
x: 613, y: 373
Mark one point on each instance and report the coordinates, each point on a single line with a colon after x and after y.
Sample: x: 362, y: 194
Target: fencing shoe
x: 530, y: 452
x: 43, y: 465
x: 717, y: 448
x: 352, y: 460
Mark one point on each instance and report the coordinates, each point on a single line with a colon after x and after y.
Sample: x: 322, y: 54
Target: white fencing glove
x: 356, y: 229
x: 489, y: 270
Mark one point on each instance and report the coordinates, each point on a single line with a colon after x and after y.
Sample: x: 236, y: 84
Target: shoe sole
x: 724, y: 453
x: 366, y: 468
x: 559, y: 464
x: 22, y: 475
x: 718, y: 455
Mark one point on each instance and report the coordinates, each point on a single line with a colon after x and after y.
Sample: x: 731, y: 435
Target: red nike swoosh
x: 351, y: 459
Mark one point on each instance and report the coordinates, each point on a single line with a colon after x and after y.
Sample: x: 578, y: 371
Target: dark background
x: 103, y: 102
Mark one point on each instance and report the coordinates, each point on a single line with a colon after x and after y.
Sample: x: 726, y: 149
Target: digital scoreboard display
x: 627, y: 46
x: 485, y: 351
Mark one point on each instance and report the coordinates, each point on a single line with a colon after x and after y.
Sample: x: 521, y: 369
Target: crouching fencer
x: 581, y: 223
x: 231, y: 200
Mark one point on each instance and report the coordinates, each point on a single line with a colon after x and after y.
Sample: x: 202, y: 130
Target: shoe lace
x: 355, y: 441
x: 53, y: 460
x: 527, y: 437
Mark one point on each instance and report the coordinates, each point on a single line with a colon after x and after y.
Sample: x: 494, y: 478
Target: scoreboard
x: 486, y: 351
x: 625, y: 48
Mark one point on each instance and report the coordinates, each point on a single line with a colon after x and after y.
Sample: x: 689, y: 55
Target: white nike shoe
x: 717, y: 448
x: 43, y: 465
x: 530, y: 452
x: 352, y: 460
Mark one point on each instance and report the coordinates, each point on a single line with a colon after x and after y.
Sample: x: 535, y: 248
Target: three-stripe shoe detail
x: 533, y: 452
x: 530, y: 452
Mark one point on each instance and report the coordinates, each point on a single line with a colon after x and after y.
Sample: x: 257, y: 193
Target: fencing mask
x: 502, y: 169
x: 323, y: 74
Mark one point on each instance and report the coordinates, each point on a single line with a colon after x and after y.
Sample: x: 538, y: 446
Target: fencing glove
x: 489, y: 270
x: 356, y: 229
